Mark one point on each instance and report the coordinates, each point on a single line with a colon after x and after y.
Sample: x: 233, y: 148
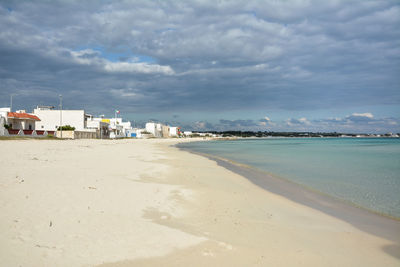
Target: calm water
x: 365, y: 171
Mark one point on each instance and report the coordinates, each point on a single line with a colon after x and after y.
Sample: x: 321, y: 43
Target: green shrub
x: 66, y: 128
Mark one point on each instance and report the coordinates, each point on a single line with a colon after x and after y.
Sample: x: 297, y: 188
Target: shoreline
x: 373, y: 222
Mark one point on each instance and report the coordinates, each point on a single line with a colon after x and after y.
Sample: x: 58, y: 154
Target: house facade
x: 21, y: 120
x: 50, y: 119
x: 174, y: 131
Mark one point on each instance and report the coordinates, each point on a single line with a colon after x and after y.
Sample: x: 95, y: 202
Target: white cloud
x: 125, y: 93
x: 137, y: 67
x: 200, y: 124
x: 366, y: 115
x: 302, y: 121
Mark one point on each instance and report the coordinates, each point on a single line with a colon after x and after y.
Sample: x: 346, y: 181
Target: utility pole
x: 100, y: 126
x: 115, y: 124
x: 60, y: 115
x: 11, y: 96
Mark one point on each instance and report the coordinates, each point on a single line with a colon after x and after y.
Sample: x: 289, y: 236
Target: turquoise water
x: 364, y: 171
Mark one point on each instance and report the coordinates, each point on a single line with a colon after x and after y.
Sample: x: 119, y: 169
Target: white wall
x: 50, y: 119
x: 173, y: 131
x: 21, y: 124
x: 2, y: 122
x: 3, y: 112
x: 154, y: 128
x: 151, y: 128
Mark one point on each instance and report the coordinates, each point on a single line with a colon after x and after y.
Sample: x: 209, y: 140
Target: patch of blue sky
x: 164, y: 30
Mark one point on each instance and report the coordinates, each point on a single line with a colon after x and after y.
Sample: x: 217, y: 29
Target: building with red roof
x: 21, y: 120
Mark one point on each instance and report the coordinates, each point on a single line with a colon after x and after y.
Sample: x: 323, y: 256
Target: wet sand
x: 368, y: 221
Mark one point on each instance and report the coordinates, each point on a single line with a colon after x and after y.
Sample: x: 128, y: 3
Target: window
x: 42, y: 126
x: 30, y: 127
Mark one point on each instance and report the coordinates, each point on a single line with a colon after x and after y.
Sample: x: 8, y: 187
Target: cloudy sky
x: 208, y: 65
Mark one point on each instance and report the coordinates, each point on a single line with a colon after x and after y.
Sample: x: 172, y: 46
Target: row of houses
x: 159, y: 130
x: 45, y: 121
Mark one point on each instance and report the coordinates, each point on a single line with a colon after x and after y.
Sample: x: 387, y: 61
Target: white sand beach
x: 145, y: 203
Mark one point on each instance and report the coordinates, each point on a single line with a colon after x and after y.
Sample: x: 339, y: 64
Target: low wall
x: 77, y: 134
x: 85, y: 135
x: 2, y: 128
x: 65, y: 134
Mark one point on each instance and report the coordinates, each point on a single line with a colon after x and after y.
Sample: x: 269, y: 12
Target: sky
x: 298, y: 65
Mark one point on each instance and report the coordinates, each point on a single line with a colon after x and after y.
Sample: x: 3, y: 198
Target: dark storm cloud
x: 195, y: 56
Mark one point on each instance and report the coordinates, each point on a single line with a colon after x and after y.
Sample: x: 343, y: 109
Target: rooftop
x: 15, y: 115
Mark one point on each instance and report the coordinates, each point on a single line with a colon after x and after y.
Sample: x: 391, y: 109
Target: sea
x: 361, y: 171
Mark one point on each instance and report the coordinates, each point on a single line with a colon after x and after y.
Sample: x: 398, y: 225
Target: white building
x: 4, y: 112
x: 126, y: 128
x: 99, y: 125
x: 187, y: 133
x: 154, y: 128
x: 20, y: 123
x: 50, y: 119
x: 174, y: 131
x: 20, y: 120
x: 3, y: 120
x: 118, y: 127
x: 131, y: 133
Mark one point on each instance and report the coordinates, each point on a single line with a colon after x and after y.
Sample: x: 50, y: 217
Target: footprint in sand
x: 208, y: 253
x: 225, y: 245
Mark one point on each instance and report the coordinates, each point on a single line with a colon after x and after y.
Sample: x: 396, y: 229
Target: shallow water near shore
x: 363, y: 171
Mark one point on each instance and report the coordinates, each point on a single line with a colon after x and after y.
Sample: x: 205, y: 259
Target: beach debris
x: 21, y: 181
x: 208, y: 253
x: 43, y: 246
x: 35, y: 158
x: 51, y: 224
x: 225, y: 245
x: 91, y: 187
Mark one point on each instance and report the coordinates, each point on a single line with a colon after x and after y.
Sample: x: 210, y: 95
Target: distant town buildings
x: 76, y: 124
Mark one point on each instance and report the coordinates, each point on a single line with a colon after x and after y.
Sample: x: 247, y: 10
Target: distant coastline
x: 268, y: 134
